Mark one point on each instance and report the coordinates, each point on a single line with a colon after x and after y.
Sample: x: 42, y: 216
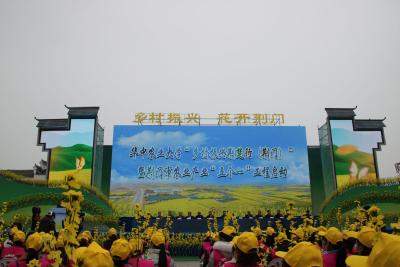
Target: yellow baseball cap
x: 270, y: 231
x: 19, y: 236
x: 322, y: 229
x: 229, y: 230
x: 304, y: 254
x: 136, y: 245
x: 349, y: 234
x: 121, y: 248
x: 333, y: 235
x: 256, y: 230
x: 299, y: 233
x: 95, y: 255
x: 281, y: 237
x: 84, y: 235
x: 34, y: 241
x: 14, y: 230
x: 367, y: 236
x: 246, y: 242
x: 158, y: 238
x: 385, y: 253
x: 112, y: 231
x: 149, y: 231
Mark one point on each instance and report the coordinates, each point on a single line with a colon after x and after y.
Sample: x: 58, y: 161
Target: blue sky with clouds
x: 290, y: 139
x: 81, y: 132
x: 343, y: 134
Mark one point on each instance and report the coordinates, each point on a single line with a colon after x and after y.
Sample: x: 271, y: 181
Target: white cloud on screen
x: 150, y: 138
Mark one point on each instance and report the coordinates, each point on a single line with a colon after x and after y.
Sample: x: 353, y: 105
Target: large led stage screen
x: 71, y: 151
x: 196, y: 168
x: 353, y: 152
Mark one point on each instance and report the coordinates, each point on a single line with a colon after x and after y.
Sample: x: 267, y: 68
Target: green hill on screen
x: 343, y: 160
x: 64, y: 158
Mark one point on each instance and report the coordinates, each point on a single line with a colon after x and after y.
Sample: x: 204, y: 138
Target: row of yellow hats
x: 385, y: 253
x: 366, y: 236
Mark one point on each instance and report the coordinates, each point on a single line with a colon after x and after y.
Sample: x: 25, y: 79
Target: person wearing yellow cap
x: 95, y: 255
x: 349, y: 241
x: 222, y: 249
x: 84, y: 239
x: 365, y: 240
x: 14, y: 228
x: 385, y: 253
x: 270, y: 242
x: 334, y: 252
x: 17, y: 249
x: 245, y: 251
x: 157, y: 251
x: 259, y: 234
x: 120, y: 252
x: 282, y: 242
x: 111, y: 237
x: 304, y: 254
x: 137, y: 251
x: 33, y: 245
x: 297, y: 235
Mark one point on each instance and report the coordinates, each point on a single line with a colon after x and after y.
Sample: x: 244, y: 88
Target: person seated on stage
x: 137, y: 259
x: 278, y: 214
x: 170, y: 214
x: 269, y: 214
x: 157, y: 252
x: 159, y: 216
x: 210, y: 216
x: 303, y: 254
x: 245, y: 253
x: 259, y: 215
x: 287, y: 214
x: 17, y: 249
x: 111, y: 237
x: 199, y: 216
x: 222, y: 215
x: 189, y: 216
x: 307, y: 214
x: 222, y: 249
x: 180, y: 216
x: 249, y: 215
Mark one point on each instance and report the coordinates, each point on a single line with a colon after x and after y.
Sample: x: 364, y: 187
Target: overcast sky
x: 208, y: 56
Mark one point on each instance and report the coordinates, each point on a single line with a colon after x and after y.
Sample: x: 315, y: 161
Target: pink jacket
x: 142, y: 262
x: 13, y: 251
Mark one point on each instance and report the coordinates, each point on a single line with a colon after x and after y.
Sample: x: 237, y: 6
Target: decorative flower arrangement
x: 72, y: 220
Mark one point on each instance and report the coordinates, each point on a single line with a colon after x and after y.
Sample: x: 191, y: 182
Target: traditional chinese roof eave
x: 83, y: 112
x: 52, y: 124
x: 340, y: 113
